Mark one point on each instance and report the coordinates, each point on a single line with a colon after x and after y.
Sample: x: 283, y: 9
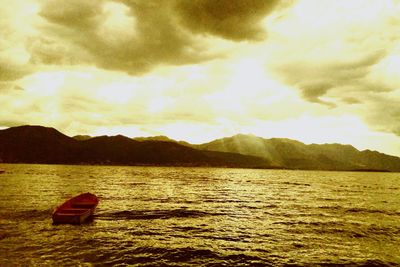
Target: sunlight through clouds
x: 115, y: 93
x: 117, y: 26
x: 51, y: 86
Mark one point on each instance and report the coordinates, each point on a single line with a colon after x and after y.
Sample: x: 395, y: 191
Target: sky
x: 317, y: 71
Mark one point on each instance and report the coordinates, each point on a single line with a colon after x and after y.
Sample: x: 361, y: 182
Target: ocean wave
x: 366, y: 210
x: 185, y: 256
x: 25, y: 215
x: 151, y: 214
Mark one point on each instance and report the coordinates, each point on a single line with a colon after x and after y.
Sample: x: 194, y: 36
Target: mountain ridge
x: 293, y: 154
x: 38, y: 144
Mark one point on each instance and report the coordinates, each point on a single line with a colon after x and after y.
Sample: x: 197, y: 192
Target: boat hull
x: 76, y: 210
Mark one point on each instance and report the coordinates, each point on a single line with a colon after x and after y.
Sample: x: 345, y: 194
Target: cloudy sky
x: 319, y: 71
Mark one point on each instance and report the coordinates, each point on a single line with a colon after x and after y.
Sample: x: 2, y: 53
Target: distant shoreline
x: 193, y: 166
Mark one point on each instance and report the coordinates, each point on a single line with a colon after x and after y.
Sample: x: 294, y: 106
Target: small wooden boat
x: 76, y: 210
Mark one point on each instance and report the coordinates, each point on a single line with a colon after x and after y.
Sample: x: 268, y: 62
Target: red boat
x: 76, y: 210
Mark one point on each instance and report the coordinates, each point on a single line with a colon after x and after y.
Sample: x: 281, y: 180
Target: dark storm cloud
x: 351, y: 100
x: 348, y: 81
x: 316, y: 80
x: 71, y: 25
x: 157, y: 40
x: 56, y: 51
x: 384, y: 113
x: 313, y: 90
x: 164, y: 32
x: 73, y: 13
x: 11, y: 72
x: 10, y: 86
x: 230, y: 19
x: 153, y: 40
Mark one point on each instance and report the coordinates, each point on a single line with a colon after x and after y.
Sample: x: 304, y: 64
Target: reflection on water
x: 151, y: 216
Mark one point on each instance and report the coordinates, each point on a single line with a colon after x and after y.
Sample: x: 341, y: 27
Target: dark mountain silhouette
x: 37, y: 144
x: 154, y: 138
x: 161, y: 138
x: 81, y: 137
x: 291, y: 154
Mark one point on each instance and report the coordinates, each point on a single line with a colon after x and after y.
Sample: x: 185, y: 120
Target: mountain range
x: 38, y: 144
x: 293, y: 154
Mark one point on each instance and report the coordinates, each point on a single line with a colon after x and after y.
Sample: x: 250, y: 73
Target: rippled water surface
x: 156, y: 216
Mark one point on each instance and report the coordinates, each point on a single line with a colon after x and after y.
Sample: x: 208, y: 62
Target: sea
x: 179, y: 216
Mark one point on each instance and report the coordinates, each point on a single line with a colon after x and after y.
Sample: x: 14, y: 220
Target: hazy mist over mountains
x: 37, y: 144
x: 293, y: 154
